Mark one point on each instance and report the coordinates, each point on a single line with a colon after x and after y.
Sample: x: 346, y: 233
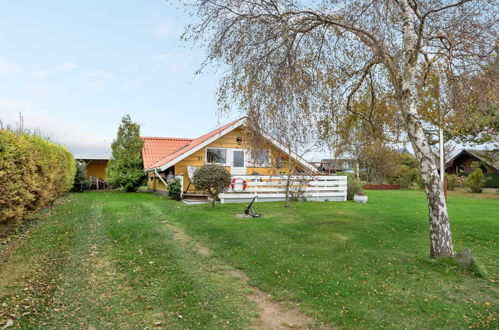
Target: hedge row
x: 33, y: 173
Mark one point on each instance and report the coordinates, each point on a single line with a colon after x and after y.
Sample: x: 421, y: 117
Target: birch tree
x: 293, y: 128
x: 335, y: 48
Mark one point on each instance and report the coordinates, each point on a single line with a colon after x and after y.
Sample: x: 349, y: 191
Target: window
x: 279, y: 162
x: 259, y: 158
x: 218, y: 156
x: 238, y: 158
x: 460, y: 169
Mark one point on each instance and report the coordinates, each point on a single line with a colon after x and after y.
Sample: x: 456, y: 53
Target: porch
x: 273, y: 188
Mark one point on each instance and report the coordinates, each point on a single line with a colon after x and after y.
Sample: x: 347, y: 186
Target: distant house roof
x: 336, y: 164
x: 162, y: 153
x: 92, y: 158
x: 489, y: 157
x: 403, y: 150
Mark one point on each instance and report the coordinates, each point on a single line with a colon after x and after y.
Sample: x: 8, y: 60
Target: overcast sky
x: 74, y: 68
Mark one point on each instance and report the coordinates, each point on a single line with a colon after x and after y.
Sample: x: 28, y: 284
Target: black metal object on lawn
x: 249, y: 210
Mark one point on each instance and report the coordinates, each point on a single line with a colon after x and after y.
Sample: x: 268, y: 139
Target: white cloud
x: 99, y: 74
x: 40, y: 73
x: 164, y: 30
x: 78, y: 141
x: 6, y: 67
x: 64, y: 67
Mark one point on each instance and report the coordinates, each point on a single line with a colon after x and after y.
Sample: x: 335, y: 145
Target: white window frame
x: 228, y: 156
x: 229, y: 159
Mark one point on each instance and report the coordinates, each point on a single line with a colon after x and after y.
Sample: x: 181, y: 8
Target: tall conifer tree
x: 125, y: 168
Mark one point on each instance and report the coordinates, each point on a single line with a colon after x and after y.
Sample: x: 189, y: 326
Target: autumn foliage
x: 33, y: 173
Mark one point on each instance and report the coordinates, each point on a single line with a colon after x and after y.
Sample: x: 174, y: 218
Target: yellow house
x: 227, y: 146
x: 96, y: 166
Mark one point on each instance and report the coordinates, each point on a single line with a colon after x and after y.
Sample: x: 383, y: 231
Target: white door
x: 238, y: 167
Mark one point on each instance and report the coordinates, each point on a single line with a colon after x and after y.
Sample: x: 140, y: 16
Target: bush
x: 451, y: 181
x: 212, y: 179
x: 175, y: 189
x: 420, y: 182
x: 142, y: 189
x: 406, y: 176
x: 476, y: 180
x: 461, y: 181
x: 80, y: 182
x: 33, y: 173
x: 353, y: 186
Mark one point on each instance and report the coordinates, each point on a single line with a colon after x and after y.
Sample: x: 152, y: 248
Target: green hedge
x: 33, y: 173
x: 492, y: 179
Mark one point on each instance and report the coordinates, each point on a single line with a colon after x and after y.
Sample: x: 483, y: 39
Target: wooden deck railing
x: 273, y: 188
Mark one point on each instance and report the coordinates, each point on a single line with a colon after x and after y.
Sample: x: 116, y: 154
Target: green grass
x: 108, y: 260
x: 360, y: 265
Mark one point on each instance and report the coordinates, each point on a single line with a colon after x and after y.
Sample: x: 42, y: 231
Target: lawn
x: 103, y: 259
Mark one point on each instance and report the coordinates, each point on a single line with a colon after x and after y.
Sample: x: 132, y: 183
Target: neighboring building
x: 337, y: 165
x: 96, y: 166
x: 461, y: 164
x: 227, y: 146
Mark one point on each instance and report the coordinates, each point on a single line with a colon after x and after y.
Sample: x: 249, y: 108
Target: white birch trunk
x: 440, y: 234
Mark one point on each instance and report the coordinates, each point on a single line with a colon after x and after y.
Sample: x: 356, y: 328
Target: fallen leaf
x: 8, y: 324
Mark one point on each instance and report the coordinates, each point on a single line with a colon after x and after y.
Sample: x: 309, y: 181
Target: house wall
x: 467, y: 161
x: 199, y: 159
x: 97, y: 169
x: 153, y: 183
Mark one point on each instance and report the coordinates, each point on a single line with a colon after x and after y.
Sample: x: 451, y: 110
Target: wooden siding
x: 97, y: 169
x: 198, y: 159
x: 467, y: 161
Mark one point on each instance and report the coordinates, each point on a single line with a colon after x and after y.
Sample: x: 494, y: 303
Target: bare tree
x: 294, y: 131
x: 335, y: 48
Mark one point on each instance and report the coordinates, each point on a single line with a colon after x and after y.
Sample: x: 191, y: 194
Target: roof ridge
x: 164, y: 138
x: 201, y: 138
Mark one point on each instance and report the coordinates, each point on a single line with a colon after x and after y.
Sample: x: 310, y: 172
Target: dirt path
x: 272, y: 314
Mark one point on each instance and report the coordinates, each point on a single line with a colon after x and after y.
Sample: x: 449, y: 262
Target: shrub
x: 125, y: 168
x: 142, y: 189
x: 353, y: 186
x: 476, y: 180
x: 420, y: 182
x: 406, y: 176
x: 175, y: 189
x: 33, y: 173
x: 80, y: 181
x: 212, y: 179
x: 461, y: 181
x: 451, y: 181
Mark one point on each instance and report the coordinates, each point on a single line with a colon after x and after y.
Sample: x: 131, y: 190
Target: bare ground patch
x: 272, y: 314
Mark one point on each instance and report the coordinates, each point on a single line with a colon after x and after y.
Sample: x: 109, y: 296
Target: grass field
x: 111, y: 260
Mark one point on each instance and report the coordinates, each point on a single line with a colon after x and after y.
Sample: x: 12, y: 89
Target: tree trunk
x: 440, y: 234
x: 288, y: 182
x: 288, y: 177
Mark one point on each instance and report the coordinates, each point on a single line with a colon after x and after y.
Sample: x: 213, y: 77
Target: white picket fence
x: 273, y: 188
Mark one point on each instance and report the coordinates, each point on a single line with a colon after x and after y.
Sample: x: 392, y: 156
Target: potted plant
x: 360, y: 197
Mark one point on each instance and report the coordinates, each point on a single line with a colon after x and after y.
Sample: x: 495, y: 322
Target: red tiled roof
x: 156, y: 148
x: 160, y: 153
